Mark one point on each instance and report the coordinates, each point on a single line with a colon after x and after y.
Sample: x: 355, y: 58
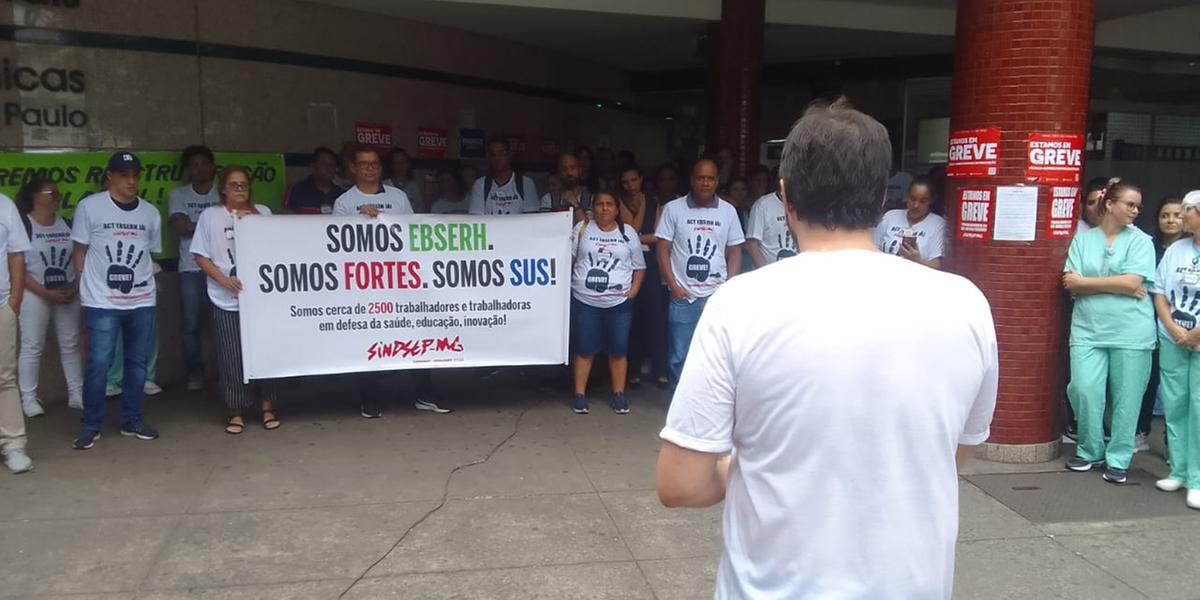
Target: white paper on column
x: 1016, y: 213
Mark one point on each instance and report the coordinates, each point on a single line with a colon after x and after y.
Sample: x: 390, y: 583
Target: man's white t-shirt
x: 503, y: 199
x: 1178, y: 280
x: 930, y: 233
x: 214, y: 240
x: 699, y: 236
x: 13, y: 239
x: 768, y: 225
x: 604, y: 264
x: 1082, y: 227
x: 389, y: 200
x: 185, y: 201
x: 118, y: 269
x: 48, y: 261
x: 788, y: 384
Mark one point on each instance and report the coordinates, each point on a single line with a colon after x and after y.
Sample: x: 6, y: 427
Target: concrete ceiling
x: 652, y: 35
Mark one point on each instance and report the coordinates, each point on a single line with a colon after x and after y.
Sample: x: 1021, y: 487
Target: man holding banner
x: 370, y: 197
x: 115, y: 234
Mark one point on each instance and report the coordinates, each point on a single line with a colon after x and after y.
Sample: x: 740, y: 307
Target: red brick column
x: 734, y: 75
x: 1023, y: 67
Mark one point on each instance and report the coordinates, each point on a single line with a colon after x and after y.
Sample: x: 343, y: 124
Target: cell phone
x: 909, y: 241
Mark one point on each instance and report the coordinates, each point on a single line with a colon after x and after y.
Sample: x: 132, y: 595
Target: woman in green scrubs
x: 1112, y: 330
x: 1177, y: 301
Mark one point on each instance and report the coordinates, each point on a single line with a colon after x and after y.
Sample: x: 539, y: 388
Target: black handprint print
x: 598, y: 272
x: 699, y: 264
x: 786, y: 248
x: 233, y: 269
x: 1183, y: 312
x: 120, y: 269
x: 55, y: 275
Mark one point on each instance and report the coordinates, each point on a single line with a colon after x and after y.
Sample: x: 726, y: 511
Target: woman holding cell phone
x: 914, y: 232
x: 216, y: 254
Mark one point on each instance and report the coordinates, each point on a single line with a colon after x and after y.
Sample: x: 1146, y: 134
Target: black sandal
x: 233, y: 428
x: 269, y: 422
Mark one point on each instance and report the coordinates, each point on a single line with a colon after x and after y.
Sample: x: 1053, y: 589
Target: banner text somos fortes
x: 325, y: 294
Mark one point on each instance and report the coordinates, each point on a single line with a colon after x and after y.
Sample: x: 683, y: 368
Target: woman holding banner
x: 50, y: 276
x: 215, y: 249
x: 606, y: 276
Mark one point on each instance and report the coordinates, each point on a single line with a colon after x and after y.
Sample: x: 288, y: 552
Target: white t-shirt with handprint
x: 12, y: 239
x: 388, y: 199
x: 604, y: 264
x: 930, y: 233
x: 185, y: 200
x: 214, y: 240
x: 48, y: 260
x: 699, y: 236
x: 1178, y: 279
x: 768, y: 225
x: 118, y: 270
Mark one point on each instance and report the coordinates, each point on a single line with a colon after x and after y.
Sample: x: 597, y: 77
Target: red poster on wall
x: 975, y: 214
x: 974, y: 153
x: 378, y: 135
x: 1063, y: 200
x: 433, y: 142
x: 1053, y: 158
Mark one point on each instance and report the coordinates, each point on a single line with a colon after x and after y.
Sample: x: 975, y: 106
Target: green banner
x: 79, y: 174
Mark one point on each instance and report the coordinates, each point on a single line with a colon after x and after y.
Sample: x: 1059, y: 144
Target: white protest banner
x: 325, y: 294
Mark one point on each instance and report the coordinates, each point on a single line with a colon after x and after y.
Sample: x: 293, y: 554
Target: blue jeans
x: 682, y: 317
x: 104, y: 325
x: 193, y: 292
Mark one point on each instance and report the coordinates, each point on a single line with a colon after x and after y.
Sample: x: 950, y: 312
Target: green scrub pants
x: 1179, y: 382
x: 1126, y: 373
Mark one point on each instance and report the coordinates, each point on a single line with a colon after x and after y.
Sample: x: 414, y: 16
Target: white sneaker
x: 1169, y: 485
x: 75, y: 402
x: 1193, y: 499
x: 431, y: 407
x: 32, y: 407
x: 111, y: 390
x: 151, y: 389
x: 18, y: 461
x: 1140, y: 444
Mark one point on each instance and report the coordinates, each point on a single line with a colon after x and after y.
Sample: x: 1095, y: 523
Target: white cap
x: 1192, y: 199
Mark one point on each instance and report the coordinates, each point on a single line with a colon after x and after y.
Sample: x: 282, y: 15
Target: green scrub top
x: 1112, y: 320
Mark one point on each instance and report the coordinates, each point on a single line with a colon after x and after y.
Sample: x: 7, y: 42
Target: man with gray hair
x: 827, y: 434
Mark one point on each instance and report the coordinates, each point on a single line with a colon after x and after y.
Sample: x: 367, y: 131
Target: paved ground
x: 553, y: 506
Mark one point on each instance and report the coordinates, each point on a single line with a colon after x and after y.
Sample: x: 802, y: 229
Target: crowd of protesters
x: 665, y: 239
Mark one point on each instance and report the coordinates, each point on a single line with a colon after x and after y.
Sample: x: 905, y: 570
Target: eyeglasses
x: 238, y: 186
x: 362, y: 164
x: 53, y: 193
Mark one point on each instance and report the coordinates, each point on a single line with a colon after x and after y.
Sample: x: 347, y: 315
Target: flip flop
x: 269, y: 422
x: 233, y: 428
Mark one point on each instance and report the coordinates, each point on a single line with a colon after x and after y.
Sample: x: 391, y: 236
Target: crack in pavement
x: 445, y: 496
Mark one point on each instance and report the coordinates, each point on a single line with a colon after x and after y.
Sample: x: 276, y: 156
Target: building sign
x: 471, y: 143
x: 975, y: 214
x: 79, y: 174
x: 1053, y: 158
x: 378, y: 135
x: 974, y: 153
x: 433, y: 142
x: 1063, y: 200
